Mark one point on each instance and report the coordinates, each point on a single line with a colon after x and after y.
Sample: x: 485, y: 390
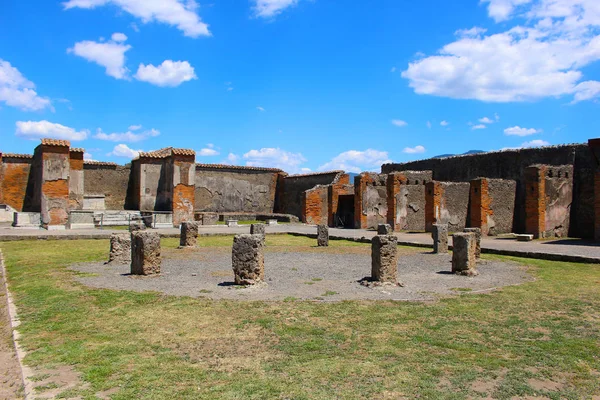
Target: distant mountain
x: 463, y: 154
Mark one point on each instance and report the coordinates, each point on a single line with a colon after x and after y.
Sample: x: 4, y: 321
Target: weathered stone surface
x: 120, y: 248
x: 384, y: 259
x: 210, y: 218
x: 137, y: 226
x: 189, y: 234
x: 440, y: 238
x: 257, y: 229
x: 322, y: 235
x: 477, y: 232
x: 145, y: 253
x: 464, y: 261
x: 384, y: 229
x: 232, y: 222
x: 248, y: 259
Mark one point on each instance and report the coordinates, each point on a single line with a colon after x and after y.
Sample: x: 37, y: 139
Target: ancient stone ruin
x: 322, y: 235
x: 258, y: 229
x: 440, y: 238
x: 120, y: 248
x: 464, y: 261
x: 248, y: 260
x: 477, y: 232
x: 189, y: 234
x: 384, y: 229
x: 145, y: 253
x: 384, y: 259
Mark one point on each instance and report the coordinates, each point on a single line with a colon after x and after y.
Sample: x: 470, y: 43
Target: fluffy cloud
x: 110, y: 55
x: 486, y: 120
x: 414, y: 150
x: 357, y: 161
x: 260, y: 108
x: 480, y: 126
x: 122, y: 150
x: 541, y: 58
x: 168, y: 74
x: 209, y: 150
x: 45, y: 129
x: 444, y: 123
x: 118, y: 37
x: 429, y: 124
x: 518, y: 131
x: 181, y: 14
x: 135, y: 127
x: 18, y: 91
x: 399, y: 122
x: 128, y: 137
x: 274, y: 158
x: 271, y: 8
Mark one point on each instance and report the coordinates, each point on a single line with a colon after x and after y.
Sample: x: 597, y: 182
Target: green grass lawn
x: 538, y: 339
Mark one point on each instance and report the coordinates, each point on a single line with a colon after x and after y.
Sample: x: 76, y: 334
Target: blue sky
x: 303, y: 85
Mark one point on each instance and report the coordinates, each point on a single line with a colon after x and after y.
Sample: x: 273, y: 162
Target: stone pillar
x: 463, y: 254
x: 76, y: 182
x: 145, y: 253
x: 477, y: 232
x: 341, y: 186
x: 480, y: 205
x: 384, y: 259
x: 120, y: 248
x: 184, y: 185
x: 248, y: 259
x: 440, y: 238
x: 189, y: 234
x: 394, y: 183
x: 384, y: 229
x: 53, y: 158
x: 322, y: 235
x: 594, y: 145
x: 535, y: 200
x: 434, y: 192
x: 258, y: 229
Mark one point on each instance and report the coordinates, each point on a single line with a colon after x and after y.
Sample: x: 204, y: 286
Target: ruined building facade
x: 548, y: 192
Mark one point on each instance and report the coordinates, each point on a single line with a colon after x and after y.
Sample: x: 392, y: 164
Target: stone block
x: 248, y: 260
x: 464, y: 261
x: 477, y: 232
x: 210, y: 218
x: 322, y: 235
x: 524, y: 238
x: 440, y: 238
x: 81, y: 220
x: 232, y: 222
x: 137, y: 226
x: 145, y: 253
x: 257, y: 229
x: 384, y: 229
x: 120, y: 248
x: 384, y: 259
x: 189, y: 234
x: 271, y: 222
x: 27, y: 220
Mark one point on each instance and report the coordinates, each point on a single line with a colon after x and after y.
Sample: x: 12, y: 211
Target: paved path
x: 562, y: 250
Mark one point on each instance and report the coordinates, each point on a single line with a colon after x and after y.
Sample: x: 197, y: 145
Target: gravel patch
x: 316, y: 275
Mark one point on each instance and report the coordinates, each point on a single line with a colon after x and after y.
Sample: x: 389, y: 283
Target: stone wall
x: 370, y: 200
x: 406, y: 199
x: 493, y: 205
x: 559, y: 198
x: 16, y: 183
x: 295, y: 185
x: 315, y: 205
x: 76, y: 179
x: 110, y: 180
x: 511, y: 165
x: 447, y: 203
x: 221, y: 188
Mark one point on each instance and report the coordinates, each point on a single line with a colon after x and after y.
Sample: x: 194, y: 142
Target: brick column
x: 184, y: 185
x: 340, y: 187
x: 594, y: 145
x: 394, y: 184
x: 360, y: 189
x: 76, y: 183
x: 480, y: 208
x: 54, y: 197
x: 535, y: 200
x: 433, y: 201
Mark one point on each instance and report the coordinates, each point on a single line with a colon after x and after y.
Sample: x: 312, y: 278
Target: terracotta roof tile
x: 92, y: 162
x: 55, y: 142
x: 15, y: 155
x: 184, y: 152
x: 77, y: 150
x: 316, y: 174
x: 238, y: 167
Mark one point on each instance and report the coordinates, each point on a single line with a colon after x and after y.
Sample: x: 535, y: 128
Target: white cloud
x: 473, y: 32
x: 305, y: 170
x: 543, y: 57
x: 444, y: 123
x: 181, y: 14
x: 260, y: 108
x: 168, y: 74
x: 393, y: 69
x: 271, y: 8
x: 118, y: 37
x: 88, y: 157
x: 134, y: 26
x: 135, y: 127
x: 122, y: 150
x: 532, y: 143
x: 414, y: 150
x: 480, y: 126
x: 357, y: 161
x: 45, y: 129
x: 232, y: 158
x: 518, y: 131
x: 429, y: 124
x: 110, y: 55
x: 399, y: 122
x: 274, y: 158
x: 486, y: 120
x: 18, y: 91
x: 128, y: 137
x: 208, y: 151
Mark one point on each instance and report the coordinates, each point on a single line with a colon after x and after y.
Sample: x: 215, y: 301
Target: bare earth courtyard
x: 309, y: 273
